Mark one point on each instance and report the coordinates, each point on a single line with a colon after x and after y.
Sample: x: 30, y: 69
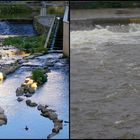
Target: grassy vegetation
x: 39, y: 76
x: 104, y: 4
x: 31, y: 45
x: 15, y: 11
x: 55, y: 10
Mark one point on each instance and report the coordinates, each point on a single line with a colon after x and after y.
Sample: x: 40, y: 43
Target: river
x: 105, y: 81
x: 54, y: 93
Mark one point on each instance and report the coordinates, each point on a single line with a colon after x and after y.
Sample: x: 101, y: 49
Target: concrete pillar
x: 43, y: 10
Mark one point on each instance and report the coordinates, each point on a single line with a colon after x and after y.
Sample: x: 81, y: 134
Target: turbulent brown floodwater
x: 105, y: 82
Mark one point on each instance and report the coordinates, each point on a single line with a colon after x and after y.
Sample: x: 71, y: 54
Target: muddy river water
x: 105, y: 81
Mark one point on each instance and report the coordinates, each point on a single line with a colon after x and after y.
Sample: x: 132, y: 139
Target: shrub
x: 10, y: 10
x: 39, y: 76
x: 55, y: 10
x: 33, y: 44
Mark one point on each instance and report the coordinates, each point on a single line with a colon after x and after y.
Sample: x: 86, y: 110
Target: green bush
x: 33, y: 44
x: 39, y: 76
x: 17, y: 10
x: 103, y: 4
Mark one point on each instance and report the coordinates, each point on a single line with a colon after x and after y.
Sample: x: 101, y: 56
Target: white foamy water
x: 105, y: 82
x: 109, y: 34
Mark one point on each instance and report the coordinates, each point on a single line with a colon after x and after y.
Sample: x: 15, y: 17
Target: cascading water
x: 13, y: 28
x: 105, y: 74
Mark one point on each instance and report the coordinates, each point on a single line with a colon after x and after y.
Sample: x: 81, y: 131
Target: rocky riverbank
x: 31, y: 83
x: 50, y: 114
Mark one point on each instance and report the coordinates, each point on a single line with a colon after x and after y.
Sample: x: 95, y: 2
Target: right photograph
x: 105, y: 69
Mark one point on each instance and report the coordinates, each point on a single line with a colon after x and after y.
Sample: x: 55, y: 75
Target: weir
x: 91, y: 17
x: 57, y: 39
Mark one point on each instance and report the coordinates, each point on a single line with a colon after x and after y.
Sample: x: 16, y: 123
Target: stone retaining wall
x: 41, y: 29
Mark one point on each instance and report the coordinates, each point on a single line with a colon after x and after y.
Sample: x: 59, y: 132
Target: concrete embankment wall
x: 66, y: 43
x: 41, y: 29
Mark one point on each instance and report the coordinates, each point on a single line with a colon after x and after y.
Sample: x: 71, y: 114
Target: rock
x: 3, y: 117
x: 40, y: 107
x: 25, y: 88
x: 46, y: 70
x: 19, y: 91
x: 51, y: 135
x: 46, y: 106
x: 46, y: 114
x: 31, y: 104
x: 53, y: 116
x: 4, y: 75
x: 1, y: 111
x: 49, y: 64
x: 2, y: 122
x: 43, y: 110
x: 57, y: 121
x: 19, y: 99
x: 31, y: 90
x: 51, y: 110
x: 57, y: 127
x: 28, y: 95
x: 28, y: 102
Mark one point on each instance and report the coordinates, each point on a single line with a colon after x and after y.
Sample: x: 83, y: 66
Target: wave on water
x: 116, y: 34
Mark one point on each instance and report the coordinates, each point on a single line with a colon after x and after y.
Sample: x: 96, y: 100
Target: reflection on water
x: 54, y: 93
x: 105, y: 82
x: 1, y: 76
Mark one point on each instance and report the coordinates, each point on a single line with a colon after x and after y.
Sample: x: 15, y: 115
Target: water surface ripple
x: 105, y: 82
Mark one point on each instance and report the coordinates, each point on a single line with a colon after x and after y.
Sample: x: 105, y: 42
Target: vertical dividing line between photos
x: 69, y: 67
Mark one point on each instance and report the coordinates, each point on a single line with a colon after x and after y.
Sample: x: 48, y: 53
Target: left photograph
x: 34, y: 69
